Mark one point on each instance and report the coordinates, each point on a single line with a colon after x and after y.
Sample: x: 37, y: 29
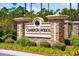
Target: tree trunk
x: 48, y: 7
x: 25, y: 7
x: 41, y: 8
x: 25, y: 4
x: 31, y: 7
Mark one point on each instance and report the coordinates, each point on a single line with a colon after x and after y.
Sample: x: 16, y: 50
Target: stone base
x: 38, y: 40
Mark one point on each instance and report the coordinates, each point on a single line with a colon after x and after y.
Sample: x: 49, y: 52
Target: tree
x: 45, y: 13
x: 25, y: 5
x: 3, y: 12
x: 31, y: 14
x: 18, y: 12
x: 66, y: 11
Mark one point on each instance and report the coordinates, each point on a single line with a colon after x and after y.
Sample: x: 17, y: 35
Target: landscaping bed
x: 16, y: 47
x: 73, y: 51
x: 70, y: 47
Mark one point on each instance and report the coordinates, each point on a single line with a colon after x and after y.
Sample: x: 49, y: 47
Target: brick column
x: 75, y: 31
x: 19, y: 30
x: 21, y: 25
x: 66, y: 29
x: 58, y: 26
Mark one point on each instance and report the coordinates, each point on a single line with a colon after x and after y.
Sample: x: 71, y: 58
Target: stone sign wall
x: 71, y: 28
x: 38, y: 30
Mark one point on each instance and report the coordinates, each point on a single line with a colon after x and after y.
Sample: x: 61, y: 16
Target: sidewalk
x: 17, y: 53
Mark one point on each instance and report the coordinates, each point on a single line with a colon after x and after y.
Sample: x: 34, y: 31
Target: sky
x: 36, y: 6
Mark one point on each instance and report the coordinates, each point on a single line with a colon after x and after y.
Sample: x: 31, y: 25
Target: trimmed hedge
x: 38, y: 50
x: 58, y: 45
x: 31, y: 43
x: 74, y: 40
x: 45, y: 44
x: 9, y: 40
x: 24, y: 41
x: 1, y: 40
x: 67, y: 42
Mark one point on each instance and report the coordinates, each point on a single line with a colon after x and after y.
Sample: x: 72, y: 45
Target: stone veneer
x: 19, y: 26
x: 73, y: 28
x: 56, y: 23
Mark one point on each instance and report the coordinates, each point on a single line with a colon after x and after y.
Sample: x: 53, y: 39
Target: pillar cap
x: 23, y: 19
x: 57, y: 17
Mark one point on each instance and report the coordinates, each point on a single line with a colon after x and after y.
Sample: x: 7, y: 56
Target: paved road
x: 2, y: 54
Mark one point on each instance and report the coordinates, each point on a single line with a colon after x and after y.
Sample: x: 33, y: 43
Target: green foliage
x: 1, y: 33
x: 44, y: 44
x: 45, y: 12
x: 58, y: 45
x: 9, y: 40
x: 3, y: 12
x: 31, y: 43
x: 14, y: 12
x: 18, y: 12
x: 67, y: 42
x: 1, y: 40
x: 40, y: 50
x: 10, y: 32
x: 57, y: 52
x: 30, y: 14
x: 24, y: 41
x: 66, y: 11
x: 76, y: 44
x: 74, y: 40
x: 72, y: 51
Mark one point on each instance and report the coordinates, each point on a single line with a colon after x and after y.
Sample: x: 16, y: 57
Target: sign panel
x: 38, y: 28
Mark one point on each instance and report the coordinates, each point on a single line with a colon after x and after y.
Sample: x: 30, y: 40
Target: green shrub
x: 45, y: 44
x: 31, y: 43
x: 58, y: 45
x: 1, y: 33
x: 76, y: 44
x: 23, y: 41
x: 73, y: 51
x: 9, y: 40
x: 67, y: 42
x: 57, y: 52
x: 74, y: 40
x: 1, y: 40
x: 10, y: 32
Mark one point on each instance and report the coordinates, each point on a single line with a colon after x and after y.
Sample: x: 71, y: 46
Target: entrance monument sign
x: 38, y: 29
